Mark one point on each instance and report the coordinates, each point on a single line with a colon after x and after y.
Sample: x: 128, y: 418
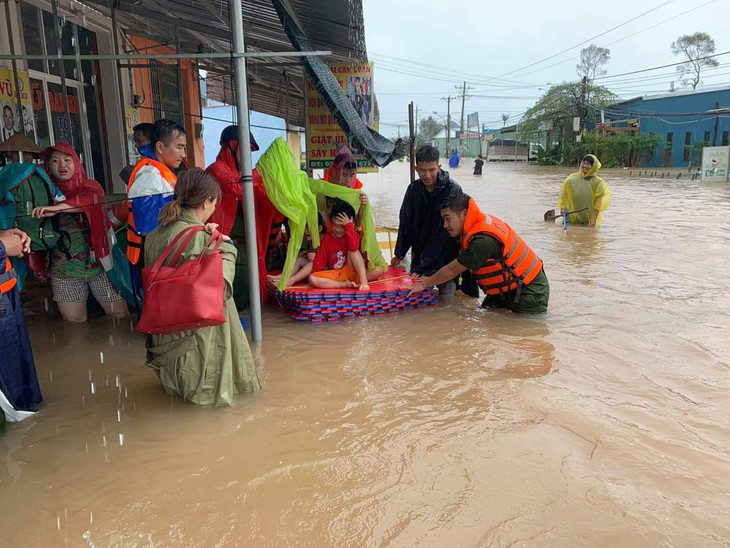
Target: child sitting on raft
x: 338, y: 262
x: 303, y: 267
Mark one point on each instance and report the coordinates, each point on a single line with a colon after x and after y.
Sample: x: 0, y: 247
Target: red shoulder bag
x: 189, y: 296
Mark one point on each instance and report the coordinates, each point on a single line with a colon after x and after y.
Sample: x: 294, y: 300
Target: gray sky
x: 423, y: 49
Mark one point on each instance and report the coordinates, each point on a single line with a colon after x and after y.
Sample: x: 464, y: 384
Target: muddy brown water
x: 602, y: 423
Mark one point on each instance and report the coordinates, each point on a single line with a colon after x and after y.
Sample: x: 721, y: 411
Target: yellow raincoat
x: 587, y: 191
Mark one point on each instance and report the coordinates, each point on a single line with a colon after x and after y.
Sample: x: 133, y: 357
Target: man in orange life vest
x: 506, y: 268
x: 152, y: 183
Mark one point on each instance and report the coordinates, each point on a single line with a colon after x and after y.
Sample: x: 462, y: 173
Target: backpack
x: 27, y: 188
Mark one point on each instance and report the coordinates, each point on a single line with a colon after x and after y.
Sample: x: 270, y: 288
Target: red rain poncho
x: 333, y: 174
x: 88, y: 195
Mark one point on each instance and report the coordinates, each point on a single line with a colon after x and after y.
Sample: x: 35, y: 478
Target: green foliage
x: 555, y: 110
x: 620, y: 150
x: 695, y: 48
x: 428, y: 128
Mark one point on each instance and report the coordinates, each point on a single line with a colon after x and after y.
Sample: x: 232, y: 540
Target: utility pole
x: 463, y: 95
x: 717, y: 123
x: 416, y: 121
x: 448, y: 124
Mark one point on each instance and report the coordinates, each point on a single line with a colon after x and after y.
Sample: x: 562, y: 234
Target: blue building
x: 686, y: 120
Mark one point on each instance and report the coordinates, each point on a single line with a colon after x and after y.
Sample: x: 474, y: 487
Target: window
x: 707, y: 137
x: 32, y: 35
x: 687, y: 146
x: 725, y: 138
x: 165, y: 92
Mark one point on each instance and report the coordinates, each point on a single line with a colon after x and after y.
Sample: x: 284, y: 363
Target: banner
x: 12, y: 121
x: 472, y: 120
x: 715, y: 164
x: 324, y: 135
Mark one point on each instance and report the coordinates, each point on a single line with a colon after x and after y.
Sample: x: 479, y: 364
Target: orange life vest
x: 134, y: 240
x: 8, y: 279
x: 519, y: 264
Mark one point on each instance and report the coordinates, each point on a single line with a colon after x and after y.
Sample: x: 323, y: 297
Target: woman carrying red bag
x: 207, y: 365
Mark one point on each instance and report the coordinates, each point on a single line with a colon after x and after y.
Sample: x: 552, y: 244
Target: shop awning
x: 276, y: 85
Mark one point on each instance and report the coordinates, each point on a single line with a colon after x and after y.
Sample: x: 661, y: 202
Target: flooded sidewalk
x: 601, y: 423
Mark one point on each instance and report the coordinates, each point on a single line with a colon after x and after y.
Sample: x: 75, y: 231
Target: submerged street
x: 602, y: 422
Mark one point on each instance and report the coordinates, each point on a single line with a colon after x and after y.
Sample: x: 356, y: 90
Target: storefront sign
x: 715, y: 164
x: 12, y: 121
x: 324, y: 135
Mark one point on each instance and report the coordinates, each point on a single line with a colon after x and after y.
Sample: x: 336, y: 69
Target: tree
x: 554, y: 112
x: 696, y: 48
x: 505, y: 117
x: 592, y: 61
x: 429, y: 128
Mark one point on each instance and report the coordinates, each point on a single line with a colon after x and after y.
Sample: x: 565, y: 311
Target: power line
x: 660, y: 67
x: 623, y: 38
x: 584, y: 42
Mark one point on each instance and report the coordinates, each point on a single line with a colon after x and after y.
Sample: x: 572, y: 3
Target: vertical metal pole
x: 180, y: 92
x: 411, y: 142
x: 115, y: 45
x: 244, y: 150
x: 717, y: 122
x: 57, y: 33
x: 15, y: 71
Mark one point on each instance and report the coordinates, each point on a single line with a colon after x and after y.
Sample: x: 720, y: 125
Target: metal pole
x: 244, y: 150
x: 15, y: 71
x: 115, y: 44
x: 411, y: 142
x: 57, y: 33
x: 134, y: 56
x: 180, y: 93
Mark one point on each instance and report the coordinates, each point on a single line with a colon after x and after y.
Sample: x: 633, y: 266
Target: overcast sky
x: 423, y: 49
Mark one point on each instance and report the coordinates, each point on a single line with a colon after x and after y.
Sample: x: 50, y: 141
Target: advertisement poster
x: 715, y: 164
x: 131, y: 119
x: 15, y: 119
x: 324, y: 136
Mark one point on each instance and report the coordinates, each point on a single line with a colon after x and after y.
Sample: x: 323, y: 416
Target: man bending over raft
x: 505, y: 267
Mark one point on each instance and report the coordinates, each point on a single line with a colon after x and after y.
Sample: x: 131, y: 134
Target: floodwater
x: 602, y: 423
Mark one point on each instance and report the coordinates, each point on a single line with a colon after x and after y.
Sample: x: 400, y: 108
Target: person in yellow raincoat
x: 586, y: 191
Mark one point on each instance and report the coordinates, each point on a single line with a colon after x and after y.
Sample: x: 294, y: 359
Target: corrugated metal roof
x: 332, y: 25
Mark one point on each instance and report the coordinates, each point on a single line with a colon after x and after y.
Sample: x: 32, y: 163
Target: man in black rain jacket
x: 421, y: 228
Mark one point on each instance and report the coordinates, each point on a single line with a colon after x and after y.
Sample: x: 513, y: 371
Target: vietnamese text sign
x: 715, y: 164
x: 324, y: 135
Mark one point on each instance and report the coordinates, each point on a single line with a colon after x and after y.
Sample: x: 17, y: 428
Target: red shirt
x: 332, y: 251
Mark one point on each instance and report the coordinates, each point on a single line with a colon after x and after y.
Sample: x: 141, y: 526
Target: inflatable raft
x: 389, y: 294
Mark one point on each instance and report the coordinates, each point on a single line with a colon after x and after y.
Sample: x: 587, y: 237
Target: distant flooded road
x: 602, y: 423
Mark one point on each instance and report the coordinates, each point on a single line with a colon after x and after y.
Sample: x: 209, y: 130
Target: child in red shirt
x: 338, y: 262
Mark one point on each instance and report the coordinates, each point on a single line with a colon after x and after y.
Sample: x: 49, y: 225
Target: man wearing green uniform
x: 506, y: 268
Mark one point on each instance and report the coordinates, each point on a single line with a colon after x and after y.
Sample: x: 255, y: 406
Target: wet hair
x: 456, y: 201
x: 427, y: 154
x: 587, y: 158
x: 166, y: 131
x: 192, y: 189
x: 146, y: 129
x: 341, y: 206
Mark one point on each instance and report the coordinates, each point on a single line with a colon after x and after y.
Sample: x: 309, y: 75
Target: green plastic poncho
x: 587, y: 191
x: 295, y: 196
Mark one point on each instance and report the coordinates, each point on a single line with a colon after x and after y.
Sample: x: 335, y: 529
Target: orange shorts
x: 345, y: 274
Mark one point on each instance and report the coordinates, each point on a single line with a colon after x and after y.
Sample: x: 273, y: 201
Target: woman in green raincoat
x: 206, y: 366
x: 584, y: 195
